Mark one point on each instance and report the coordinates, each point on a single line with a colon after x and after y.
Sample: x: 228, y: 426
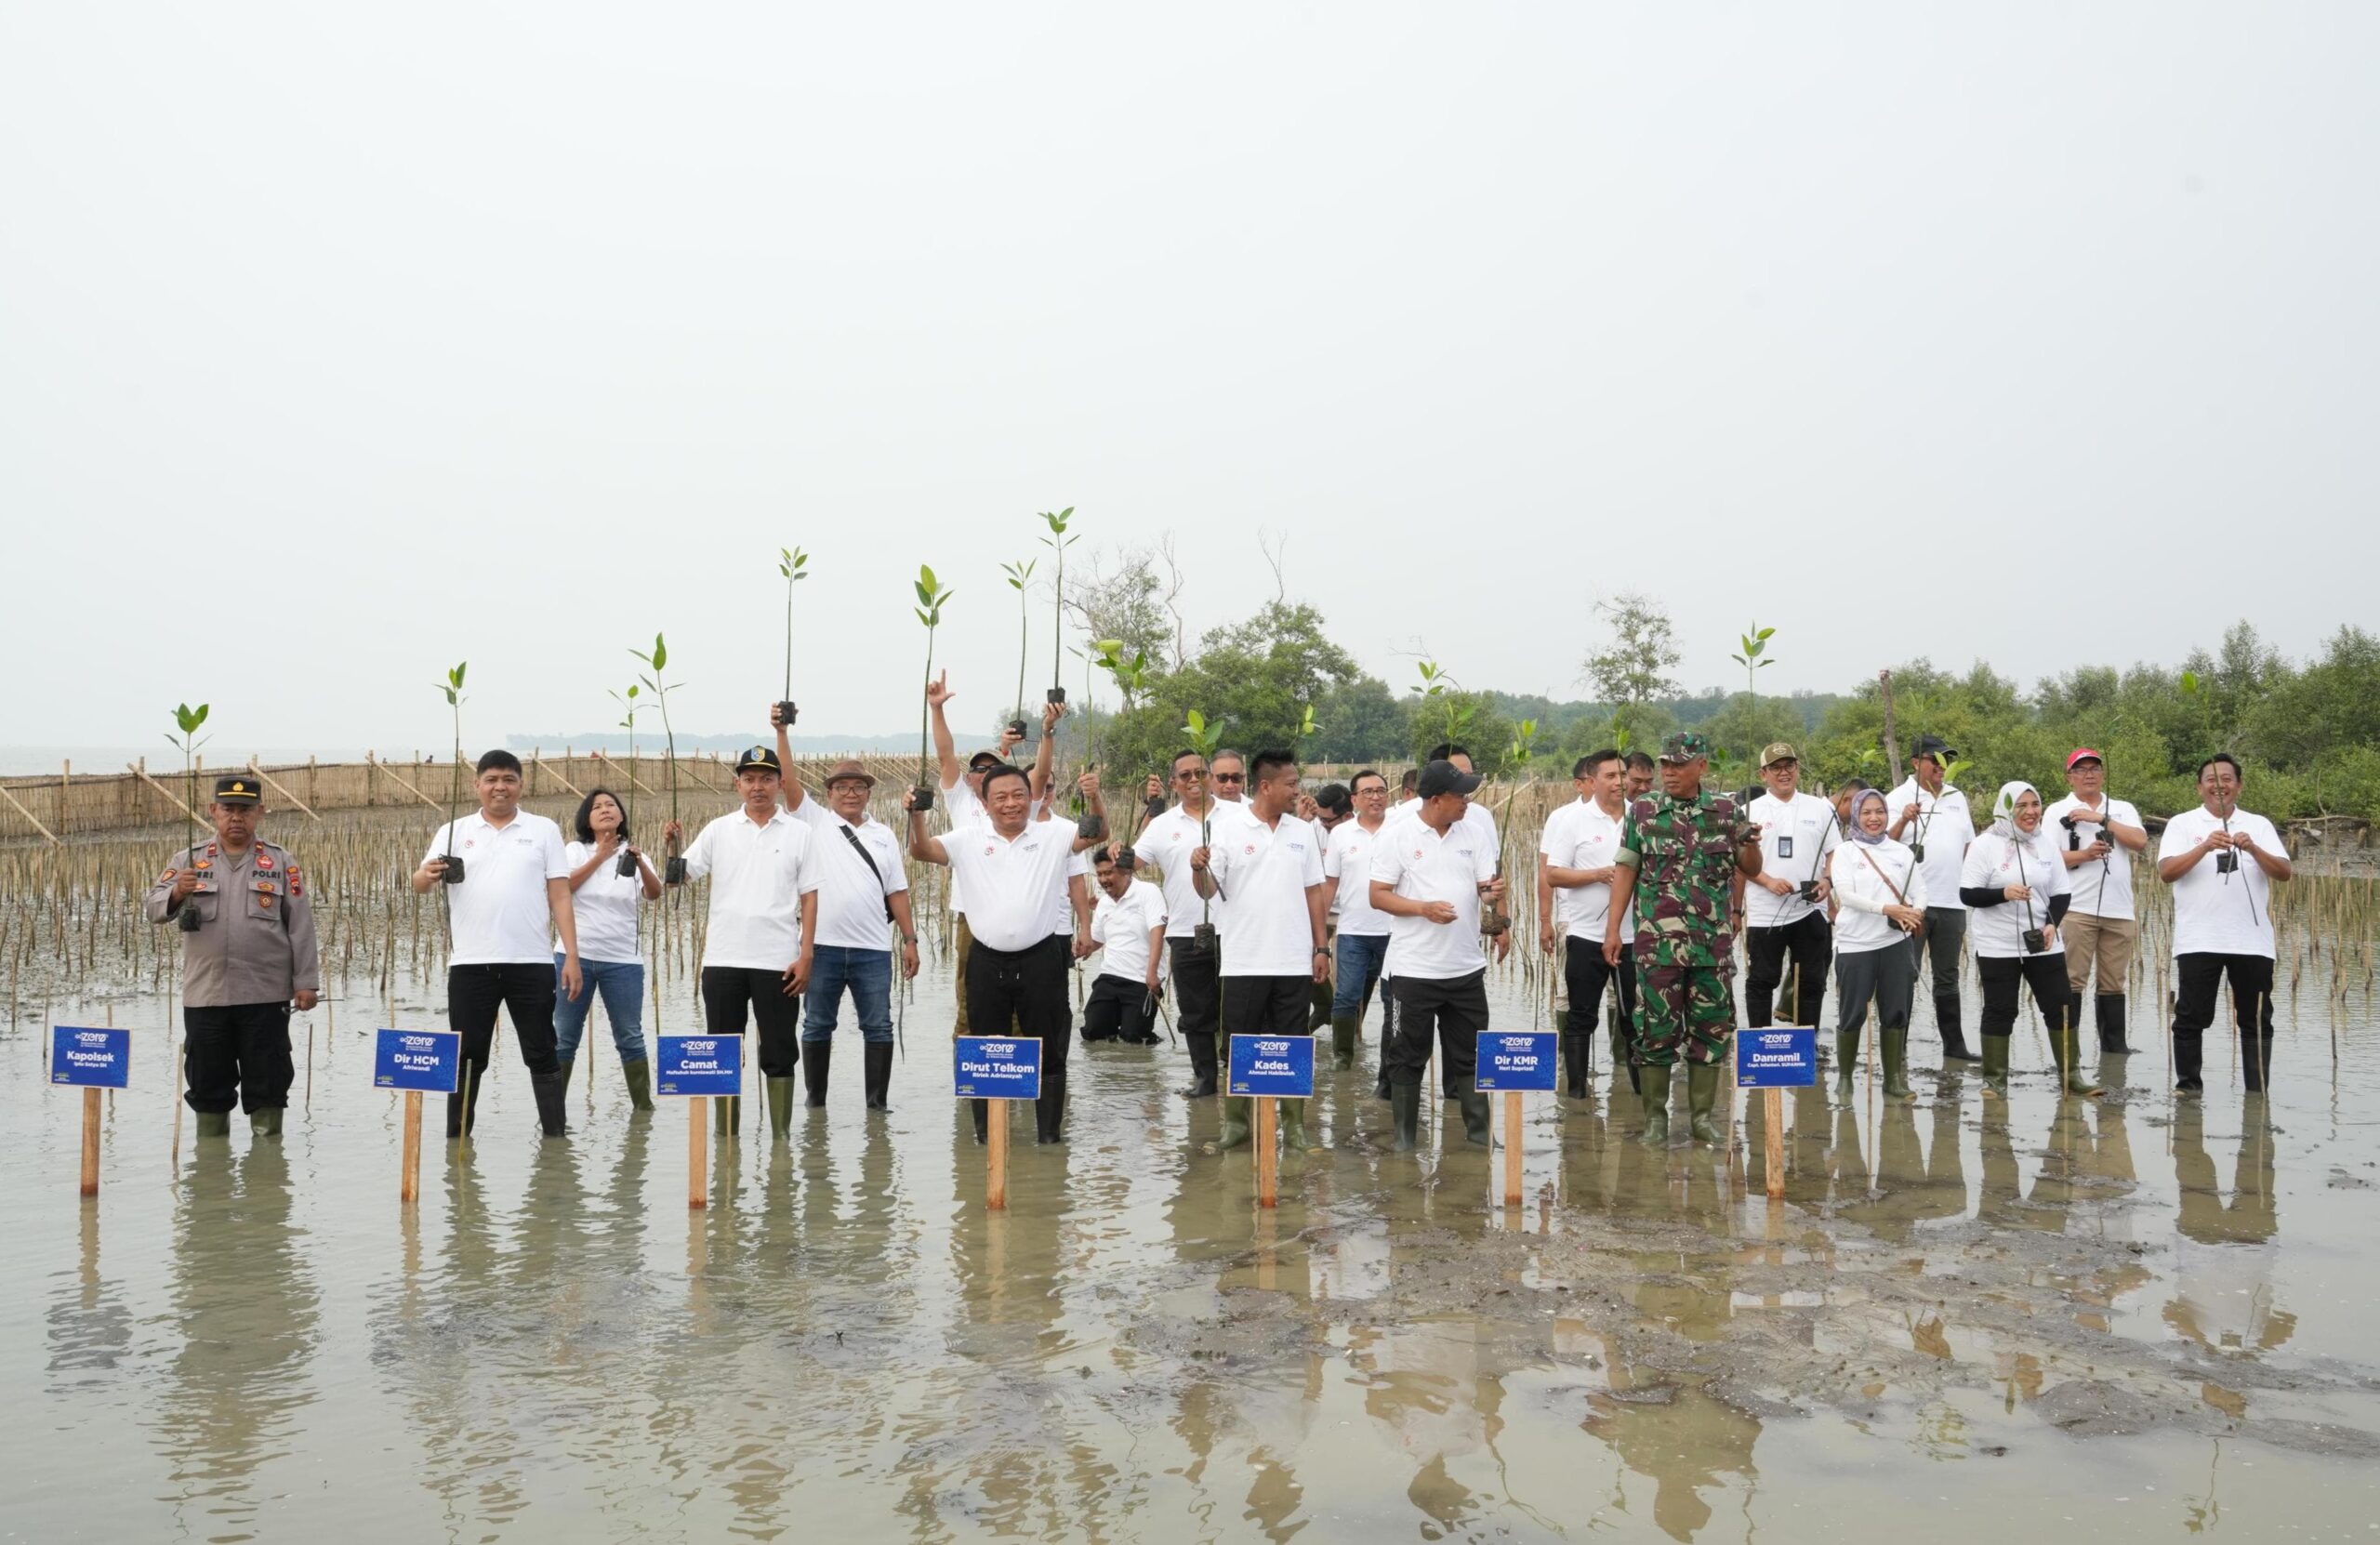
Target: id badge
x: 1785, y: 845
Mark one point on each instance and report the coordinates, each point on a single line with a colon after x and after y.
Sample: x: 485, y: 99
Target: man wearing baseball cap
x: 1785, y: 904
x: 2096, y: 837
x: 1931, y: 816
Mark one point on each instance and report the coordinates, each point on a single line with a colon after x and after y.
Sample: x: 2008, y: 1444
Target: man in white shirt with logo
x: 1576, y: 864
x: 2096, y: 837
x: 1429, y: 875
x: 1785, y: 904
x: 1482, y: 823
x: 1267, y: 867
x: 1192, y: 940
x: 1931, y: 816
x: 1127, y: 928
x: 513, y: 902
x: 762, y: 929
x: 2222, y: 863
x: 1363, y: 928
x: 1015, y: 869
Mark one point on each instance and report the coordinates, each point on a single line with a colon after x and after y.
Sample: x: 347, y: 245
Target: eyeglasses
x: 1198, y: 777
x: 1230, y: 777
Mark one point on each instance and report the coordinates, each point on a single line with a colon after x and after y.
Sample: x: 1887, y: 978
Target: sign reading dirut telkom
x: 998, y: 1067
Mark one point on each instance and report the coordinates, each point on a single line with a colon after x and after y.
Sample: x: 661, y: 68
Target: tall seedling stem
x: 1206, y: 739
x: 1057, y: 542
x: 654, y: 663
x: 186, y: 721
x: 790, y: 563
x: 931, y: 596
x: 1019, y: 576
x: 626, y: 865
x: 452, y: 688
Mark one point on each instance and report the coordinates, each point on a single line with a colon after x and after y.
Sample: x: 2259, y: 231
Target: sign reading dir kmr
x: 998, y: 1067
x: 426, y: 1061
x: 1776, y: 1059
x: 1273, y: 1067
x: 697, y: 1065
x: 1515, y: 1061
x: 95, y: 1059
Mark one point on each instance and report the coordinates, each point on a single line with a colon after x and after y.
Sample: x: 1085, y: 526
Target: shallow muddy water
x: 2132, y: 1316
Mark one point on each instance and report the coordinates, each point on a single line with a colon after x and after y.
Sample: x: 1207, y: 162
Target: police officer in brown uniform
x: 250, y: 956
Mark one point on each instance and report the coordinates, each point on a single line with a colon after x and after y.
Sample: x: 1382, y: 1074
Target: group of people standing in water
x: 1280, y: 912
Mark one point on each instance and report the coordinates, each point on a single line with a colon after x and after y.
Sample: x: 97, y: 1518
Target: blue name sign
x: 95, y: 1059
x: 1516, y: 1061
x: 690, y: 1066
x: 998, y: 1067
x: 1273, y: 1067
x: 1784, y: 1058
x: 426, y: 1061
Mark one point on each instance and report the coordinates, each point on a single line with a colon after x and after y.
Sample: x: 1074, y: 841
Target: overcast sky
x: 338, y: 344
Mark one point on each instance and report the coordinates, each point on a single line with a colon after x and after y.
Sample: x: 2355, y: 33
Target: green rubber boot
x: 1293, y: 1134
x: 1896, y: 1064
x: 1343, y: 1030
x: 1405, y: 1106
x: 638, y: 1075
x: 265, y: 1123
x: 726, y: 1115
x: 1235, y: 1132
x: 1701, y: 1093
x: 215, y: 1123
x: 780, y: 1106
x: 1475, y: 1112
x: 1653, y: 1087
x: 2069, y: 1063
x: 1847, y: 1057
x: 1995, y: 1068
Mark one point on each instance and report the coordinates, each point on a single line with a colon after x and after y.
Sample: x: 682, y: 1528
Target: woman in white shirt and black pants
x: 2017, y: 889
x: 1880, y: 889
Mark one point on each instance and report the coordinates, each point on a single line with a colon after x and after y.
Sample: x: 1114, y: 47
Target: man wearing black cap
x: 762, y: 929
x: 251, y: 955
x: 1429, y: 875
x: 1932, y: 817
x: 504, y: 916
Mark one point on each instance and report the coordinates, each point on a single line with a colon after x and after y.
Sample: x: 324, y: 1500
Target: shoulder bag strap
x: 864, y: 857
x: 1882, y: 876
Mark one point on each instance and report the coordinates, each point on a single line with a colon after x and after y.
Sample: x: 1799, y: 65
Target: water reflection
x: 2225, y: 1256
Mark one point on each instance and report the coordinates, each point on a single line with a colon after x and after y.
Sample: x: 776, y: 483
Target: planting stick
x: 1772, y: 1144
x: 995, y: 1156
x: 1268, y: 1162
x: 1512, y: 1147
x: 697, y: 1158
x: 91, y: 1141
x: 409, y: 1171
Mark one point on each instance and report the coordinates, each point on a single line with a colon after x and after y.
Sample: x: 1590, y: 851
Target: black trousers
x: 1027, y: 987
x: 2044, y: 973
x: 1454, y: 1008
x: 524, y: 990
x: 1810, y: 941
x: 1118, y: 1009
x: 728, y: 991
x: 1584, y: 976
x: 238, y: 1055
x: 1197, y: 997
x: 1264, y: 1006
x: 2195, y: 1001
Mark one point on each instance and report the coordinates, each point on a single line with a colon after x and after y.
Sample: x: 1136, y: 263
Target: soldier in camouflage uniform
x: 1681, y: 850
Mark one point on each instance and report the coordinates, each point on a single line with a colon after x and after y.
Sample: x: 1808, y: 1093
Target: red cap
x: 2080, y: 753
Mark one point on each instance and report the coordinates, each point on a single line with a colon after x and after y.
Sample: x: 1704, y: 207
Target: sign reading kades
x: 1273, y: 1067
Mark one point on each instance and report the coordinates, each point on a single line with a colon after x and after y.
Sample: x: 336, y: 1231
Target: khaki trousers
x: 2104, y: 942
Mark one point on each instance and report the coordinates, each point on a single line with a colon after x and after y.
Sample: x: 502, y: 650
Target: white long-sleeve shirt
x: 1996, y: 863
x: 1865, y: 889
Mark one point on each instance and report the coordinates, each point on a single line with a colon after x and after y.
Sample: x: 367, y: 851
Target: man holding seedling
x: 1193, y: 945
x: 250, y: 957
x: 1785, y: 905
x: 1676, y: 855
x: 1931, y: 816
x: 2096, y: 837
x: 512, y: 904
x: 762, y: 933
x: 2222, y: 863
x: 962, y: 797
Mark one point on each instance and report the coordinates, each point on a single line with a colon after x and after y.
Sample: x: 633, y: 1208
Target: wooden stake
x: 267, y: 779
x: 36, y: 823
x: 996, y: 1155
x: 698, y: 1152
x: 369, y: 761
x: 1268, y: 1162
x: 1512, y: 1147
x: 90, y: 1142
x: 409, y: 1172
x: 1772, y: 1141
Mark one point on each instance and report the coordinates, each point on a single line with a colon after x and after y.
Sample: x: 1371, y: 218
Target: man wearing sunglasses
x: 1192, y: 949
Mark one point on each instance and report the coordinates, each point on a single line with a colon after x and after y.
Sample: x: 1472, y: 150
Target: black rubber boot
x: 1050, y: 1109
x: 1954, y: 1039
x: 1387, y: 1032
x: 1318, y: 1007
x: 1344, y: 1030
x: 817, y: 1059
x: 1405, y: 1109
x: 1474, y: 1113
x: 1202, y: 1068
x: 982, y: 1111
x: 1577, y: 1055
x: 2108, y: 1009
x: 2255, y: 1062
x: 562, y: 1067
x: 546, y: 1086
x: 877, y: 1073
x: 463, y: 1105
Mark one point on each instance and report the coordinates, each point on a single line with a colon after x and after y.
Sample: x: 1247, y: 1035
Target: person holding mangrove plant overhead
x: 2099, y: 836
x: 863, y: 899
x: 512, y: 904
x: 2016, y: 892
x: 961, y: 798
x: 2222, y: 863
x: 1015, y: 870
x: 1931, y: 816
x: 762, y: 929
x: 604, y: 902
x: 251, y: 955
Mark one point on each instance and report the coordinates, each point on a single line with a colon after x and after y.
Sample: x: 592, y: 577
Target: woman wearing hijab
x: 1882, y: 893
x: 2016, y: 888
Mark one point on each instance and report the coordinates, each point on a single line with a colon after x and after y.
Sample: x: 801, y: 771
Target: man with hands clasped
x: 2222, y: 863
x: 2097, y: 836
x: 1785, y: 904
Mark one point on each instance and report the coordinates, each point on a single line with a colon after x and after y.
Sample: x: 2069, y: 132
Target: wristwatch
x: 1322, y: 949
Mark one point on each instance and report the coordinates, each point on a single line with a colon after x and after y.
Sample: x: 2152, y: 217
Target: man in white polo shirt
x: 1932, y: 817
x: 1785, y: 904
x: 1127, y: 928
x: 963, y: 805
x: 1362, y: 928
x: 1267, y: 869
x: 2096, y: 837
x: 1429, y: 875
x: 762, y: 929
x: 2222, y: 863
x: 1015, y: 869
x: 504, y: 915
x: 1193, y: 939
x: 1576, y: 864
x: 1482, y: 822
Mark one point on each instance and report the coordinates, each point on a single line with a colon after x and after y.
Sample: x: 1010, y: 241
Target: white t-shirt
x: 1120, y: 927
x: 1420, y: 864
x: 2215, y: 913
x: 851, y: 897
x: 2102, y: 888
x: 1580, y: 835
x: 758, y: 874
x: 500, y: 911
x: 1796, y: 839
x: 1867, y: 877
x: 1265, y: 872
x: 1167, y: 842
x: 1944, y: 827
x: 604, y: 907
x: 1017, y: 886
x: 1995, y: 863
x: 1481, y: 820
x: 1347, y: 858
x: 963, y: 808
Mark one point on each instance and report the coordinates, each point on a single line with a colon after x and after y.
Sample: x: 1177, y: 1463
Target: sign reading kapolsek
x: 998, y: 1067
x: 91, y: 1057
x: 690, y: 1066
x: 427, y: 1061
x: 1273, y: 1067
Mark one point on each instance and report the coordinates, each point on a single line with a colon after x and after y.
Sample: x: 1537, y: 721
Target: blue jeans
x: 868, y: 974
x: 1360, y: 956
x: 622, y: 984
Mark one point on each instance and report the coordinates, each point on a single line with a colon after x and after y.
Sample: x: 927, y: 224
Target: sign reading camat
x: 998, y: 1067
x: 427, y: 1061
x: 1516, y: 1061
x: 1273, y: 1067
x: 92, y: 1058
x: 698, y: 1065
x: 1776, y: 1059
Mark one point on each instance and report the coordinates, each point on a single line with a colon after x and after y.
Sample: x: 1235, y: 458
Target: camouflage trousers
x: 1682, y: 1013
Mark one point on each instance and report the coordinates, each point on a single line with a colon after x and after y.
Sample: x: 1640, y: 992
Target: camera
x: 454, y: 875
x: 922, y: 798
x: 1090, y: 827
x: 788, y: 713
x: 2035, y: 941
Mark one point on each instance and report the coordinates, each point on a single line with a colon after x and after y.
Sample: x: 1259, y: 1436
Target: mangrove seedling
x: 1057, y: 542
x: 654, y: 663
x: 1755, y: 658
x: 931, y: 599
x: 626, y: 866
x: 790, y: 563
x: 452, y: 688
x: 1459, y: 714
x: 186, y: 722
x: 1019, y: 576
x: 1206, y: 739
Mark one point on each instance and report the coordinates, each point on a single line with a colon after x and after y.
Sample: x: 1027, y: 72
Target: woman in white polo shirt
x: 2016, y: 892
x: 605, y: 901
x: 2222, y: 863
x: 1880, y: 889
